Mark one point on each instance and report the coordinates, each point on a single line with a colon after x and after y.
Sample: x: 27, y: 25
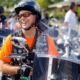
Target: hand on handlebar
x: 25, y: 71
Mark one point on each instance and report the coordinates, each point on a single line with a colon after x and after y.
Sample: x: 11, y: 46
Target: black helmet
x: 30, y: 6
x: 1, y: 9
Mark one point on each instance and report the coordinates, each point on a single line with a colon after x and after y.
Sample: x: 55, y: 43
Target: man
x: 29, y: 15
x: 70, y: 21
x: 67, y: 69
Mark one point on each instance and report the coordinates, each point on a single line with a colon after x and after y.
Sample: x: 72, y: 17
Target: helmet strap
x: 28, y: 28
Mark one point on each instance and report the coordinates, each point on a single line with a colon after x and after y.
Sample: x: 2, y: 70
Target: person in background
x: 70, y: 20
x: 11, y: 20
x: 2, y: 17
x: 68, y: 69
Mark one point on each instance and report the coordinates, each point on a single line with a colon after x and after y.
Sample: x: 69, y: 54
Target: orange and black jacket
x: 7, y: 47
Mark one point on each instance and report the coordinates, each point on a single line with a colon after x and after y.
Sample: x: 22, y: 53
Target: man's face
x: 75, y: 8
x: 26, y: 18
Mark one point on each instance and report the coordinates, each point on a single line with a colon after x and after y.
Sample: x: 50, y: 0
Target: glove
x: 25, y: 71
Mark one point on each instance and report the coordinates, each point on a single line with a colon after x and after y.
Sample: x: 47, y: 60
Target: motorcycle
x: 44, y: 63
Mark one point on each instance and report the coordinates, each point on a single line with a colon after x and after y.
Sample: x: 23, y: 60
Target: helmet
x: 1, y: 9
x: 30, y: 6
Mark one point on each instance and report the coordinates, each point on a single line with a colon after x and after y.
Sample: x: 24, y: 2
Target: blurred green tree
x: 45, y: 3
x: 8, y: 3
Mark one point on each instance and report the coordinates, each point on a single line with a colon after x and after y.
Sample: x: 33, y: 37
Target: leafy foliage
x: 8, y: 3
x: 45, y: 3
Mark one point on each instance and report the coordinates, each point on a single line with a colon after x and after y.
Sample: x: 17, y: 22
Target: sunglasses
x: 27, y: 14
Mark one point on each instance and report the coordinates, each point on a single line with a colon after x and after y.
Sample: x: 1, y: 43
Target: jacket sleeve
x: 6, y: 49
x: 52, y: 48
